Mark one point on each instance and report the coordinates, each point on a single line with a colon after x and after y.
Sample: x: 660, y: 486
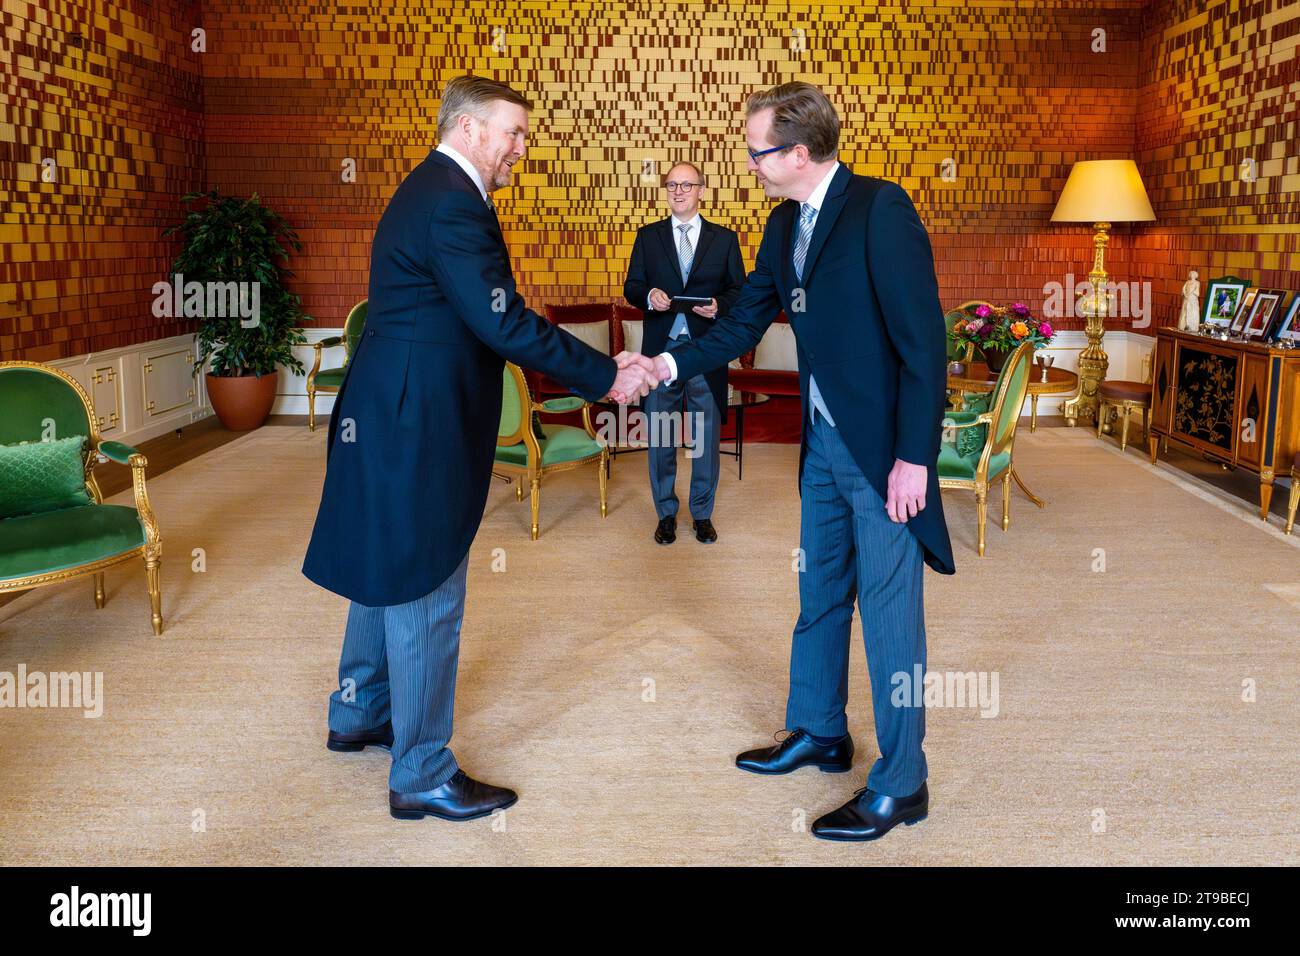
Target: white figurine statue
x: 1190, y: 319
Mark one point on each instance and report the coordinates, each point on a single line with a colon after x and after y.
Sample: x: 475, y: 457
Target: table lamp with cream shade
x: 1099, y: 191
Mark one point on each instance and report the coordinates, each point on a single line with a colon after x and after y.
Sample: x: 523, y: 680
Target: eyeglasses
x: 763, y: 152
x: 681, y: 187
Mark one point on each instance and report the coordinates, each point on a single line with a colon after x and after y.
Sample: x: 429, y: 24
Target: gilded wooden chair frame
x: 535, y: 470
x: 328, y: 343
x: 150, y: 551
x: 1004, y: 403
x: 1125, y: 407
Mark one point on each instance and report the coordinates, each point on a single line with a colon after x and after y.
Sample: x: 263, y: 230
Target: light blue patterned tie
x: 685, y: 254
x: 807, y: 214
x: 685, y: 257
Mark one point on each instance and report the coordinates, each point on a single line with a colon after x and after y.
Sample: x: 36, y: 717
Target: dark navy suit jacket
x: 717, y: 271
x: 413, y: 431
x: 867, y: 323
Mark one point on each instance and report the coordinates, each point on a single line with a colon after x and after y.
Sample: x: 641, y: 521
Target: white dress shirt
x: 466, y: 165
x: 815, y: 200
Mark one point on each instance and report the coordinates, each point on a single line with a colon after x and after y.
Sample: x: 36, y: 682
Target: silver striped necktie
x: 685, y: 254
x: 806, y: 216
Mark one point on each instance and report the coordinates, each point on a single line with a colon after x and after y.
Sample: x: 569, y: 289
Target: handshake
x: 637, y: 375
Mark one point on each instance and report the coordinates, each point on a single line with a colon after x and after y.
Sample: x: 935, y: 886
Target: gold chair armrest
x: 568, y: 403
x: 558, y: 406
x: 984, y: 418
x: 126, y: 455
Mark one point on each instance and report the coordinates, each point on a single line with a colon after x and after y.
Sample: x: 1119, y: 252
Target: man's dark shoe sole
x: 867, y: 839
x: 421, y: 814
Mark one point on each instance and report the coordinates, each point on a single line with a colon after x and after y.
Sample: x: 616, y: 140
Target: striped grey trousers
x: 852, y: 550
x: 399, y: 663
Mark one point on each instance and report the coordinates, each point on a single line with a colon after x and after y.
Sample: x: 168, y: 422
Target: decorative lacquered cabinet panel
x: 1238, y: 402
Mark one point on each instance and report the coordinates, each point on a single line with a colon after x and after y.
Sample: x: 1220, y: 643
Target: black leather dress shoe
x: 704, y: 532
x: 797, y: 750
x: 460, y: 798
x: 870, y: 815
x: 381, y: 737
x: 666, y: 533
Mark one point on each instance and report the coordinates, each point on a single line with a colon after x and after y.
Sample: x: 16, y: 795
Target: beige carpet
x: 611, y: 681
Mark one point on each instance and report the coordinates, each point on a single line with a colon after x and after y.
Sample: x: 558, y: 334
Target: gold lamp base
x: 1094, y: 305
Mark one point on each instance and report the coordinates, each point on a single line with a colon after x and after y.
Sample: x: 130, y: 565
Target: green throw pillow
x: 42, y: 476
x: 970, y: 441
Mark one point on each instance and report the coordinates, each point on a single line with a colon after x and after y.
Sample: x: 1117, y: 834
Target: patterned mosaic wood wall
x: 288, y: 90
x: 111, y: 94
x: 1012, y: 92
x: 1218, y: 143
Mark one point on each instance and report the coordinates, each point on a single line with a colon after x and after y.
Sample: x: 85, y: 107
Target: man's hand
x: 655, y: 366
x: 905, y: 490
x: 659, y: 300
x: 634, y: 379
x: 708, y: 311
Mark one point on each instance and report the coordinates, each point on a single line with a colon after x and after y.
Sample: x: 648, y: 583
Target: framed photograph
x: 1268, y: 302
x: 1223, y: 300
x: 1289, y: 329
x: 1243, y: 310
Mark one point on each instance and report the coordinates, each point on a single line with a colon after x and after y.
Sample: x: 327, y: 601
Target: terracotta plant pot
x: 242, y: 403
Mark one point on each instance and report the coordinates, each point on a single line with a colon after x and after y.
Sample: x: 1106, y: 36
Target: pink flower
x: 983, y: 311
x: 1020, y: 309
x: 1045, y: 328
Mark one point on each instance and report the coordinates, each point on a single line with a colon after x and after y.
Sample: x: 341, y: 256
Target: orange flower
x: 1019, y: 329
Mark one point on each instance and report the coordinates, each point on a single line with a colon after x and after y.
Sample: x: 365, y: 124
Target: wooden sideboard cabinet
x: 1238, y: 402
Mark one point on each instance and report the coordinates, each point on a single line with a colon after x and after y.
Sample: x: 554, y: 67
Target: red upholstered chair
x: 778, y: 420
x: 626, y: 329
x: 590, y: 321
x: 770, y: 380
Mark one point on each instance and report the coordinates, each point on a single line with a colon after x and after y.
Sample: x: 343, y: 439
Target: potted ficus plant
x: 230, y: 274
x: 998, y: 330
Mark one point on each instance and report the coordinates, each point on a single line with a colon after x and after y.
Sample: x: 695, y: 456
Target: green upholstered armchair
x: 329, y: 379
x: 521, y: 451
x: 977, y: 447
x: 54, y: 525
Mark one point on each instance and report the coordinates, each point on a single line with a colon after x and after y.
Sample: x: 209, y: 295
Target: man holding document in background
x: 683, y: 258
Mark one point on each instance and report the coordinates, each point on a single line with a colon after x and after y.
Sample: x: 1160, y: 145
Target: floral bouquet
x: 1000, y: 330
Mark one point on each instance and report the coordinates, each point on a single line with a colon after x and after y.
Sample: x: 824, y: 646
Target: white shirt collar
x: 466, y: 165
x: 819, y: 194
x: 694, y: 222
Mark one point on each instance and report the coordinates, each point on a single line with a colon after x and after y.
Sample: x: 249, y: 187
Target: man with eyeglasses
x: 849, y: 261
x: 684, y: 255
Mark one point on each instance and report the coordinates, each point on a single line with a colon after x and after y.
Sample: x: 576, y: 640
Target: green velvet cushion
x: 330, y: 377
x: 954, y: 465
x: 32, y: 401
x: 117, y: 451
x: 570, y: 404
x: 42, y: 476
x: 55, y: 540
x: 561, y: 443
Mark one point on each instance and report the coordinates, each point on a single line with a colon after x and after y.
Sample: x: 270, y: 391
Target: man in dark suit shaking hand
x: 684, y: 255
x: 411, y: 442
x: 850, y: 262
